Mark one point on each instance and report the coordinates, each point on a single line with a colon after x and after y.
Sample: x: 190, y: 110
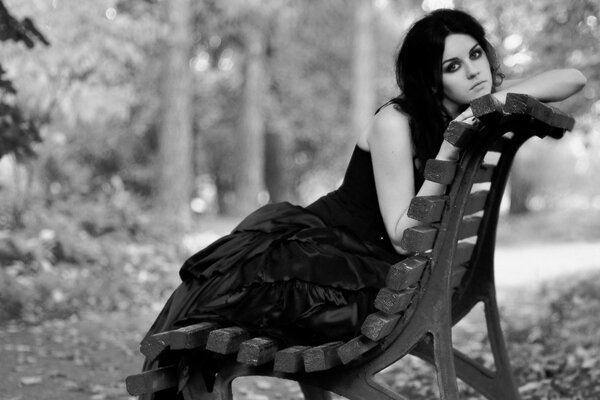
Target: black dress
x: 304, y: 275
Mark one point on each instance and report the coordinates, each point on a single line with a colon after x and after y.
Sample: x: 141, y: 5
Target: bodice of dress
x: 354, y: 205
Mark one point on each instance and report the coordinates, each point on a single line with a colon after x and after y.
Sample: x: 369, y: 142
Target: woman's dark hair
x: 419, y: 74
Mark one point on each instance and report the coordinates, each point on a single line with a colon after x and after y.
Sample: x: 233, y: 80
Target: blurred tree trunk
x: 175, y: 137
x: 520, y: 185
x: 276, y: 169
x: 278, y: 140
x: 249, y: 176
x: 362, y: 104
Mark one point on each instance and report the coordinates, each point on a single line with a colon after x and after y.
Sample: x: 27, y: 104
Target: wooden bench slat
x: 427, y: 208
x: 459, y: 133
x: 487, y: 108
x: 469, y: 226
x: 419, y: 238
x: 378, y: 325
x: 463, y: 253
x: 406, y: 273
x: 355, y: 348
x: 320, y: 358
x: 476, y: 202
x: 290, y: 359
x: 191, y: 337
x: 485, y: 173
x: 152, y: 381
x: 524, y: 104
x: 154, y: 345
x: 393, y: 301
x: 188, y: 337
x: 440, y: 171
x: 257, y: 351
x: 226, y: 340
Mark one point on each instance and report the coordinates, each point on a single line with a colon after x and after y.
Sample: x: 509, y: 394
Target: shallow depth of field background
x: 162, y: 123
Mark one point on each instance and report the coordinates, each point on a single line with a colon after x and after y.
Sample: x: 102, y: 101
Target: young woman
x: 310, y: 275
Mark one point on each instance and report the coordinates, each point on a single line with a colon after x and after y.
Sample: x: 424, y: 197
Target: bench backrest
x: 455, y: 243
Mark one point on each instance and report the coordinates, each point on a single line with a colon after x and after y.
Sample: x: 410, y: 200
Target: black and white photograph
x: 299, y: 199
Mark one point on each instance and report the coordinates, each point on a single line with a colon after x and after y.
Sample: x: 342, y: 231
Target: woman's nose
x: 471, y: 70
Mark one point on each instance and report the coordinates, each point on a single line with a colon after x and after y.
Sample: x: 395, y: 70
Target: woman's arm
x: 553, y: 85
x: 390, y: 144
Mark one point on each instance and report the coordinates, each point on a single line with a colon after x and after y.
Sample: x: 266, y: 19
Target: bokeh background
x: 134, y: 132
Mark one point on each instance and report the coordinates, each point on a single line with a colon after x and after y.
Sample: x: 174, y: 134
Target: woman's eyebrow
x: 456, y: 58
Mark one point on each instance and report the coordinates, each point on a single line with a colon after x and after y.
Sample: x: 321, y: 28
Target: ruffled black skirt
x: 281, y: 272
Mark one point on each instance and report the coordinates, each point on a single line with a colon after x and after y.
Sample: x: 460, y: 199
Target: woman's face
x: 466, y: 72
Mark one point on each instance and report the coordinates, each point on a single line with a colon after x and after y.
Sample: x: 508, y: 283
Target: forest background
x: 132, y: 133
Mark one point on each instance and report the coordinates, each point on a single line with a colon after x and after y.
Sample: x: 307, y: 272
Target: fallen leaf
x: 31, y: 380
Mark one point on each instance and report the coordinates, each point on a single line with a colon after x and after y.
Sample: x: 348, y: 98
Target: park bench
x: 450, y: 271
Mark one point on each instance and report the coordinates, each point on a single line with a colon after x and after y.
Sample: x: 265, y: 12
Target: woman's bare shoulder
x: 387, y: 123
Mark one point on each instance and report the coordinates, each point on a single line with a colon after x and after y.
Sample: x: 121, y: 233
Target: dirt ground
x: 89, y: 358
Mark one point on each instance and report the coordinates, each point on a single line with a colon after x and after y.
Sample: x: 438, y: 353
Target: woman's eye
x: 452, y: 67
x: 476, y: 54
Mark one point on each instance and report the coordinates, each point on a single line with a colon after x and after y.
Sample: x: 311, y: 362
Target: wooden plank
x: 191, y: 337
x: 459, y: 133
x: 463, y: 253
x: 484, y: 174
x: 378, y: 325
x: 419, y: 238
x: 440, y: 171
x: 290, y: 359
x: 406, y: 273
x: 226, y: 340
x: 322, y: 357
x: 394, y: 301
x: 487, y: 108
x: 427, y: 208
x: 476, y: 202
x: 355, y: 348
x: 469, y: 226
x: 257, y: 351
x: 188, y: 337
x: 524, y: 104
x: 154, y: 345
x: 152, y: 381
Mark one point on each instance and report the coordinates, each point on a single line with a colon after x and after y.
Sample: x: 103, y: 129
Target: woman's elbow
x: 577, y: 79
x: 400, y: 250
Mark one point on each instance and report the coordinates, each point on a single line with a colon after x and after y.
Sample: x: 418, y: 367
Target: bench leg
x: 506, y: 387
x: 494, y: 385
x: 444, y: 363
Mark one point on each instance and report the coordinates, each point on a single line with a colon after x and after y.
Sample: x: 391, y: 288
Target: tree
x: 175, y: 137
x: 249, y: 176
x: 362, y: 95
x: 17, y: 132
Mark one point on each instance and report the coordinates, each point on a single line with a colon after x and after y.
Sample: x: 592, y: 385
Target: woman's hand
x: 449, y: 152
x: 467, y: 117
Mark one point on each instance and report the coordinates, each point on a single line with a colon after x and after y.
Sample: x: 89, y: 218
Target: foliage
x: 78, y: 256
x: 17, y: 132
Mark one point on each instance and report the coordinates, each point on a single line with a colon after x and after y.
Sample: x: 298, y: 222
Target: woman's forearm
x: 549, y: 86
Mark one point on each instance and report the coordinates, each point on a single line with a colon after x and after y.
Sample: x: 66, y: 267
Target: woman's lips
x: 478, y: 85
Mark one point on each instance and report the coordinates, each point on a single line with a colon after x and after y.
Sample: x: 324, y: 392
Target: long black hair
x: 419, y: 74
